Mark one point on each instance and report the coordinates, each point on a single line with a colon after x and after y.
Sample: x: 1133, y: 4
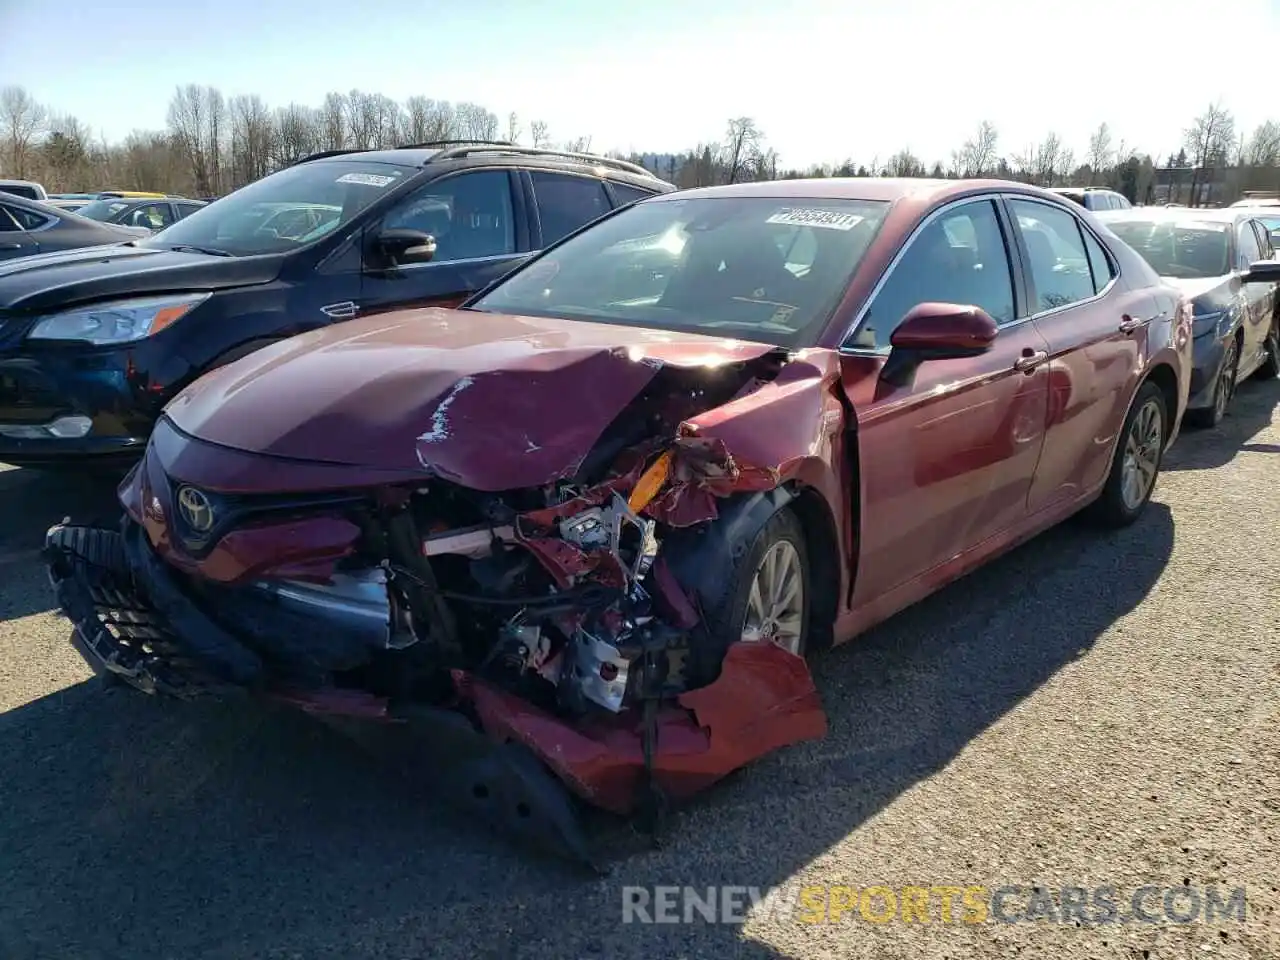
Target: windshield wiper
x: 191, y: 248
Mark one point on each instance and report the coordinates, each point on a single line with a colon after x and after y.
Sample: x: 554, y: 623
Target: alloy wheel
x: 1142, y: 455
x: 775, y: 605
x: 1226, y: 386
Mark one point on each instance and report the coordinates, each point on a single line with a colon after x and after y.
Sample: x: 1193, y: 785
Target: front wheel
x: 1270, y: 368
x: 766, y: 597
x: 1224, y: 388
x: 1136, y: 462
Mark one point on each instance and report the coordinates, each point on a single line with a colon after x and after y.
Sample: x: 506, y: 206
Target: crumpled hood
x: 490, y: 401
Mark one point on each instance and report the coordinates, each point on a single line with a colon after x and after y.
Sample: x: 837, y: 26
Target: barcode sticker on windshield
x: 366, y: 179
x: 829, y: 219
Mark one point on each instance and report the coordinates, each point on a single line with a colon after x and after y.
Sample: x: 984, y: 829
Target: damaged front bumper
x: 513, y: 764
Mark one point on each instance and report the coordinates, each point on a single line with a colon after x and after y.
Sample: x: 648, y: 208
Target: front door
x: 473, y: 218
x: 1096, y: 330
x: 948, y: 459
x: 1259, y: 297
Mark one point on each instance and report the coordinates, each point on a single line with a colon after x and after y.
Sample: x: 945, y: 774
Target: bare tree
x: 742, y: 144
x: 1101, y: 155
x: 252, y: 139
x: 1208, y: 142
x: 333, y: 122
x: 475, y: 122
x: 538, y: 133
x: 1045, y: 163
x: 196, y: 120
x: 364, y: 120
x: 22, y: 120
x: 904, y: 163
x: 296, y: 132
x: 1263, y: 149
x: 578, y: 145
x: 977, y: 156
x: 513, y: 128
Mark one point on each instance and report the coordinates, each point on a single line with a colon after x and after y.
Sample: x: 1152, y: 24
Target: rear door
x: 1096, y: 330
x: 16, y: 239
x: 476, y: 218
x: 948, y: 458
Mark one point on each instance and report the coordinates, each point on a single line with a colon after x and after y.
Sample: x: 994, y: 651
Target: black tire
x: 725, y: 616
x: 1270, y: 368
x: 1224, y: 389
x: 1112, y: 508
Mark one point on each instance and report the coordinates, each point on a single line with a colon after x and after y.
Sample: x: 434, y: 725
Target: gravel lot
x: 1090, y: 710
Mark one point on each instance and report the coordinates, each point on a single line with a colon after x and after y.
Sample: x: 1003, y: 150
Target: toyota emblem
x: 196, y: 509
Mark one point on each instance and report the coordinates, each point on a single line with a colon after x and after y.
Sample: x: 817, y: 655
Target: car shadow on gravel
x: 1251, y: 412
x: 30, y: 503
x: 134, y: 827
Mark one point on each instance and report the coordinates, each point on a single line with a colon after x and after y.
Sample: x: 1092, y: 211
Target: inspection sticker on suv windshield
x: 830, y: 219
x: 366, y: 179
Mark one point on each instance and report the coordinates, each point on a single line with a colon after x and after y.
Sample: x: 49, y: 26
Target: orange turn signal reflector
x: 650, y: 483
x: 167, y: 315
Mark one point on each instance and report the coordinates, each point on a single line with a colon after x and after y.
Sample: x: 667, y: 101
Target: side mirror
x: 401, y: 246
x: 1262, y: 271
x: 938, y: 331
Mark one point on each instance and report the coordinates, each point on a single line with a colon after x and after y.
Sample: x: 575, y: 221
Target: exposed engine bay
x: 554, y: 617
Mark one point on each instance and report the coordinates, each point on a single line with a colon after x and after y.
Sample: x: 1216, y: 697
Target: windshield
x: 759, y: 268
x: 104, y: 210
x: 1184, y: 250
x: 285, y: 210
x: 1271, y: 223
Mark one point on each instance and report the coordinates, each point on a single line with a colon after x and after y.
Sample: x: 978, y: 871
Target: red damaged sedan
x: 587, y: 527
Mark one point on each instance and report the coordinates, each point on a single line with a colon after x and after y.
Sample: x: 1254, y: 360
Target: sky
x: 825, y: 81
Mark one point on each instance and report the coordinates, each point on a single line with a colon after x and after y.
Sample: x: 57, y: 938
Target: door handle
x: 1129, y: 324
x: 10, y: 246
x: 1029, y: 360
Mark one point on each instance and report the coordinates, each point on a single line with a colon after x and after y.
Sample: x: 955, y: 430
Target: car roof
x: 921, y: 190
x: 1179, y: 214
x: 420, y: 155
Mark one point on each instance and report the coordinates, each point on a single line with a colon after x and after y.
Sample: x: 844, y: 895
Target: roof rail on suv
x: 587, y: 158
x: 453, y: 143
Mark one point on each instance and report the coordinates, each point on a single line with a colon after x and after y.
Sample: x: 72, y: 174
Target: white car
x: 27, y: 189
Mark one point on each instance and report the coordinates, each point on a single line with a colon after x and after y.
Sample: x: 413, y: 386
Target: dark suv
x: 93, y: 345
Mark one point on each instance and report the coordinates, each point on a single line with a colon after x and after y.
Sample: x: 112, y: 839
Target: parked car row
x: 565, y: 471
x: 28, y: 227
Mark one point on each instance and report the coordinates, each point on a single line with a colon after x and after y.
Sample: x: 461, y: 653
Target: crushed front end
x: 526, y: 639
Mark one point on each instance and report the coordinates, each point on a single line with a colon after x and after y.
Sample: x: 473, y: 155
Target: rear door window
x: 566, y: 202
x: 27, y: 219
x: 1058, y: 261
x: 628, y: 194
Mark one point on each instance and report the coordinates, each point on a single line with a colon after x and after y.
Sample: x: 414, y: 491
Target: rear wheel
x: 1136, y: 463
x: 1270, y: 368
